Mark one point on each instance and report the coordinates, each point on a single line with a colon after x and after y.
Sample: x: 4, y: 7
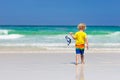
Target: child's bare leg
x: 82, y: 59
x: 77, y: 58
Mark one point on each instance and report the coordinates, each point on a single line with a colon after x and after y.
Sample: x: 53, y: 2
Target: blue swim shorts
x: 79, y: 51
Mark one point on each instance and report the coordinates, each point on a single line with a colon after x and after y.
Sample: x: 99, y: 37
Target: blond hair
x: 81, y: 26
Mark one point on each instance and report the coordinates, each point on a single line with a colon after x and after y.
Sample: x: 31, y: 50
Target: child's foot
x: 82, y: 62
x: 76, y: 63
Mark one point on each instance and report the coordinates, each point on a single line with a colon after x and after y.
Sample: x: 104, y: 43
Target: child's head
x: 81, y: 26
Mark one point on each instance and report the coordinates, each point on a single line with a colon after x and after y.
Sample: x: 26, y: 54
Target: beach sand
x: 51, y: 64
x: 48, y: 49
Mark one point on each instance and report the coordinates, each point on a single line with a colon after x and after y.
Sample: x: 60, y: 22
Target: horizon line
x: 49, y: 25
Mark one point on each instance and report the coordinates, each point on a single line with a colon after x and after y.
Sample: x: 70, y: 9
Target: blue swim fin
x: 68, y: 40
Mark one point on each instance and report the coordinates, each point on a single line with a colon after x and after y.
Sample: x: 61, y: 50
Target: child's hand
x: 71, y: 33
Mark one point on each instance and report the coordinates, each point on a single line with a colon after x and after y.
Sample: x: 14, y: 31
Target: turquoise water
x: 47, y: 35
x: 56, y: 30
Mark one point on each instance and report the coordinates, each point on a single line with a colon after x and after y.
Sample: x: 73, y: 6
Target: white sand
x: 59, y: 66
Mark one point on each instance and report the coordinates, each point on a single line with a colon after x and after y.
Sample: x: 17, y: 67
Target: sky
x: 59, y: 12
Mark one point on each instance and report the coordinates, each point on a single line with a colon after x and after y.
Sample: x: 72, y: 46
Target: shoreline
x: 31, y: 49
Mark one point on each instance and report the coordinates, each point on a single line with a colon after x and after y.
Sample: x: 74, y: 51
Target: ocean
x: 54, y: 35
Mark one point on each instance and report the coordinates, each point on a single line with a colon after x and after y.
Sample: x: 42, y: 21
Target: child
x: 81, y: 39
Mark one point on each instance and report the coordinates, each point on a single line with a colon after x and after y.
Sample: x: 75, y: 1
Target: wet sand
x: 45, y: 49
x: 60, y: 66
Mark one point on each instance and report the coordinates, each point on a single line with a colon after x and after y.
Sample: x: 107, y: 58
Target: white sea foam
x: 62, y: 45
x: 115, y: 34
x: 4, y: 32
x: 108, y: 38
x: 11, y: 36
x: 36, y: 44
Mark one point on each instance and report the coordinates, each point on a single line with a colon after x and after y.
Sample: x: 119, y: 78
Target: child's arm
x: 86, y: 41
x: 72, y: 35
